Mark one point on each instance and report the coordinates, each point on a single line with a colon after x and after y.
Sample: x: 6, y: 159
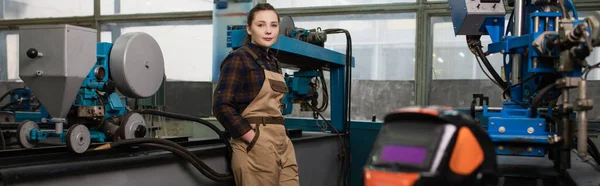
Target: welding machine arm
x: 230, y: 82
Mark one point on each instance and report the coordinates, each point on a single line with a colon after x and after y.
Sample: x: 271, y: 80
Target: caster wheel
x: 23, y: 132
x: 133, y: 126
x: 78, y: 138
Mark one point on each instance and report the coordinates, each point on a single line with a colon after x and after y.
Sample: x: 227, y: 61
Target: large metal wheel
x: 133, y: 126
x: 286, y: 25
x: 78, y: 138
x: 137, y: 65
x: 23, y: 132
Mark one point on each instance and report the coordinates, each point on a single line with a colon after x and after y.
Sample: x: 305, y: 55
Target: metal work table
x: 316, y: 155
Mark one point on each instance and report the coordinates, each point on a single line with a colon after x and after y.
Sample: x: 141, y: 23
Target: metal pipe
x: 556, y: 24
x: 518, y: 17
x: 547, y: 22
x: 58, y: 127
x: 536, y: 24
x: 518, y: 28
x: 582, y: 124
x: 565, y: 151
x: 480, y: 108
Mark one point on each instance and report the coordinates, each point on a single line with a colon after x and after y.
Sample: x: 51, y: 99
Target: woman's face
x: 264, y: 28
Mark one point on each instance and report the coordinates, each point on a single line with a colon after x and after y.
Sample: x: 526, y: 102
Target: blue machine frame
x: 306, y: 55
x: 514, y: 123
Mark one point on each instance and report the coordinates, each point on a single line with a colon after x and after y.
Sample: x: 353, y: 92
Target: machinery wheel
x: 286, y: 25
x: 78, y: 138
x: 133, y: 126
x: 23, y: 132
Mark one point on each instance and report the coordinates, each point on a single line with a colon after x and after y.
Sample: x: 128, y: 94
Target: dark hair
x: 258, y: 7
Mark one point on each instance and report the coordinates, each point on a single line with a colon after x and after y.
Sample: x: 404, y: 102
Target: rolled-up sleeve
x: 230, y: 82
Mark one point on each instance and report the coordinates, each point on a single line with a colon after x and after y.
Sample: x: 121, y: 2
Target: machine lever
x: 33, y: 53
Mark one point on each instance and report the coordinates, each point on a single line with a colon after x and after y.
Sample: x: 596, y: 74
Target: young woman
x: 247, y: 103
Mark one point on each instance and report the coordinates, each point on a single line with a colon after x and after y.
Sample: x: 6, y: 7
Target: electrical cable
x: 484, y: 72
x: 520, y: 83
x: 175, y: 148
x: 348, y: 89
x: 538, y: 99
x: 590, y: 68
x: 510, y: 22
x: 325, y: 100
x: 343, y: 153
x: 474, y: 44
x: 490, y: 68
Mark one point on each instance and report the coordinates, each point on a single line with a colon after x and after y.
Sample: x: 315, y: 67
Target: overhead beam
x: 433, y: 8
x: 167, y: 16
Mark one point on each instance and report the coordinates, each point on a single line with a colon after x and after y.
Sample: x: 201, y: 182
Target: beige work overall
x: 269, y: 159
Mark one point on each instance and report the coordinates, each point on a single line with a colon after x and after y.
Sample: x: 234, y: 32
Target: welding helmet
x: 434, y: 145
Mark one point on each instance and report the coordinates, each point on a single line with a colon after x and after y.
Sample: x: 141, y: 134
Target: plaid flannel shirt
x: 240, y: 80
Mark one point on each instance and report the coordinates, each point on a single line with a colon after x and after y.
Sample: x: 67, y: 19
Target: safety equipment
x: 434, y: 145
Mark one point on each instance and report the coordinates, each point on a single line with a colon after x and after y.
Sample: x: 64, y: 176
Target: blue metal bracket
x: 296, y: 54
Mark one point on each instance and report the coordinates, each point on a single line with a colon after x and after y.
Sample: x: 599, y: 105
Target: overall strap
x: 257, y: 60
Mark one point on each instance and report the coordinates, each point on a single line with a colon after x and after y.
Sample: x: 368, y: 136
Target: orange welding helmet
x: 430, y: 146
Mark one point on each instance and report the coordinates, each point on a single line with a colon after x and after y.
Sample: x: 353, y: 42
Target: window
x: 373, y: 36
x: 106, y: 36
x: 313, y: 3
x: 594, y: 58
x: 452, y: 59
x: 154, y: 6
x: 12, y: 56
x: 18, y: 9
x: 186, y: 46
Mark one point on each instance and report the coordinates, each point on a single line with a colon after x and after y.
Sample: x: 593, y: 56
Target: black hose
x: 594, y: 149
x: 538, y: 99
x: 346, y: 114
x: 4, y: 107
x: 182, y: 117
x: 3, y: 140
x: 514, y: 85
x: 473, y: 103
x: 208, y: 172
x: 199, y: 165
x: 343, y: 152
x: 221, y: 134
x: 490, y: 68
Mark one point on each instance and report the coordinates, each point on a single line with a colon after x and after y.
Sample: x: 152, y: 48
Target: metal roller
x: 78, y: 138
x: 24, y: 131
x: 133, y: 125
x: 137, y: 65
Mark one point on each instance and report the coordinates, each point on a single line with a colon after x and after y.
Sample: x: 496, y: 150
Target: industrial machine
x: 546, y: 50
x: 76, y: 81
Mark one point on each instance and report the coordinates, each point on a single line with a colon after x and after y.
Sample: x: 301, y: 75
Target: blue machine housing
x: 299, y: 88
x: 20, y: 106
x: 514, y: 123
